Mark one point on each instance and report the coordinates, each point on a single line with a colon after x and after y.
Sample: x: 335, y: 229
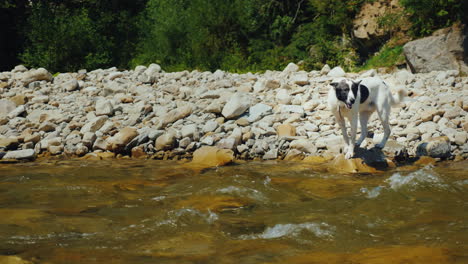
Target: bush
x: 429, y: 15
x: 63, y: 40
x: 386, y: 57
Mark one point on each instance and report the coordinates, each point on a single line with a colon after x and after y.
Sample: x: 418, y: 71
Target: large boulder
x: 40, y: 74
x: 442, y: 51
x: 438, y: 147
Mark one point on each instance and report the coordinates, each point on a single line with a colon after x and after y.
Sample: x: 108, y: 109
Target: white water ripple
x: 321, y: 230
x: 425, y: 176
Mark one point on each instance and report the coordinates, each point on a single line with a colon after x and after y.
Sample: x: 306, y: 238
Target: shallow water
x: 128, y: 211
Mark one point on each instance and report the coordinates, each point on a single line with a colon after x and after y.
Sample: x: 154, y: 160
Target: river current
x: 131, y: 211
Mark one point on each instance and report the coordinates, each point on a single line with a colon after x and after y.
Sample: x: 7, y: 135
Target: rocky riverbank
x: 149, y: 113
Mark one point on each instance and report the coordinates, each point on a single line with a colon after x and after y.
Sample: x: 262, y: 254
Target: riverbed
x: 131, y: 211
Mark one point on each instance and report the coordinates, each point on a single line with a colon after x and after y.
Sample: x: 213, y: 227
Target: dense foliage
x: 234, y: 35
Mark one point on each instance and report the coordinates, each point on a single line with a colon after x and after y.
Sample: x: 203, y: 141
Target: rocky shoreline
x: 149, y: 113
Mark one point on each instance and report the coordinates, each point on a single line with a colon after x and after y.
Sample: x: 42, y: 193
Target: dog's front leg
x: 342, y: 124
x: 354, y: 119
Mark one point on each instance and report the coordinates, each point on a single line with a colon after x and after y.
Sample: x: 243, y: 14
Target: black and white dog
x: 350, y: 99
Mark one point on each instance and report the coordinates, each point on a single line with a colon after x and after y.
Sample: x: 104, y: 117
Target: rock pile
x: 147, y: 112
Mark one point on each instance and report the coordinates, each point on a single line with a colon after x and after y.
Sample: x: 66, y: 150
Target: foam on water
x: 372, y: 193
x: 424, y: 176
x: 321, y: 230
x: 242, y: 191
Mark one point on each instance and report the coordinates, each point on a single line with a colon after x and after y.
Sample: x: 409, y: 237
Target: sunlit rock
x: 286, y: 130
x: 355, y: 165
x: 208, y: 156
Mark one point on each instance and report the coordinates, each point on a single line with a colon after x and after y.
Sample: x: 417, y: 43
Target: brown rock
x: 195, y: 246
x: 294, y: 155
x: 207, y: 157
x: 286, y: 130
x: 166, y: 141
x: 19, y: 99
x: 122, y: 138
x: 380, y: 255
x: 425, y: 160
x: 343, y: 165
x: 317, y: 159
x: 9, y: 143
x: 13, y: 260
x: 138, y: 152
x: 99, y: 156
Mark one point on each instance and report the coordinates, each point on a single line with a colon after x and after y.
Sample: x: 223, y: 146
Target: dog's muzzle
x: 349, y: 104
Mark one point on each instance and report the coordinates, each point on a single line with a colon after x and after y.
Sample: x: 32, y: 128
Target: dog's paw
x: 349, y: 155
x: 379, y: 146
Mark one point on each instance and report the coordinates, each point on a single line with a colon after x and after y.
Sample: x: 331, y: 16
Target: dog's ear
x: 334, y: 84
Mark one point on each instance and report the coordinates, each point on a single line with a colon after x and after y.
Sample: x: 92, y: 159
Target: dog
x: 359, y: 99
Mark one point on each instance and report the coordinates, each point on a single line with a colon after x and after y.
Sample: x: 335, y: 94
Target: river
x: 130, y: 211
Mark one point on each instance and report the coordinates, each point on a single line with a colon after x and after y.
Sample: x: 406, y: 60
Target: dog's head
x: 346, y: 91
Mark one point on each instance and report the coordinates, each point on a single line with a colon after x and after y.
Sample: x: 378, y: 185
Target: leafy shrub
x: 429, y: 15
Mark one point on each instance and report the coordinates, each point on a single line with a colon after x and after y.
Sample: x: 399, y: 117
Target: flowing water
x: 128, y: 211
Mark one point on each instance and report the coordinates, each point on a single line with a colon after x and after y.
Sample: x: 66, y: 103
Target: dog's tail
x: 401, y: 93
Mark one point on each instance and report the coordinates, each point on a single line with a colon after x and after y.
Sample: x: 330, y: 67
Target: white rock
x: 292, y: 109
x: 210, y: 126
x: 40, y: 99
x: 71, y: 85
x: 190, y: 131
x: 236, y: 106
x: 283, y: 96
x: 17, y: 112
x: 104, y: 107
x: 40, y: 74
x: 6, y: 106
x: 115, y: 75
x: 28, y: 154
x: 336, y: 72
x: 303, y: 145
x: 258, y: 111
x: 300, y: 78
x: 325, y: 69
x: 292, y: 67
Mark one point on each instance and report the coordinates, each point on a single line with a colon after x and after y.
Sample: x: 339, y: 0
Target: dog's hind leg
x: 363, y: 118
x: 384, y: 115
